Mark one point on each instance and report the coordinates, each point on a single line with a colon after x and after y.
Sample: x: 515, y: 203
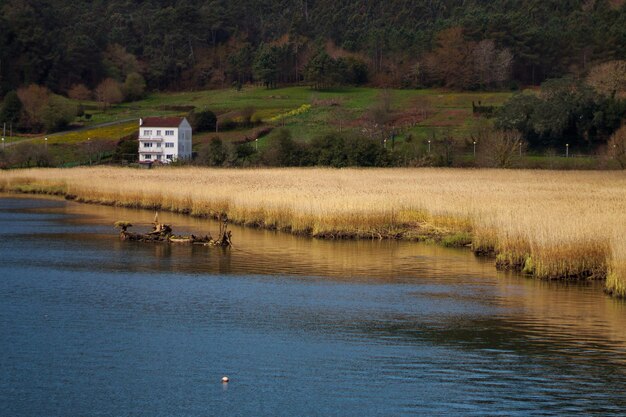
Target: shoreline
x: 424, y: 234
x: 574, y: 261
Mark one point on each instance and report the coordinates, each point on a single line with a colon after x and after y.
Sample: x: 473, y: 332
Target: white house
x: 164, y: 139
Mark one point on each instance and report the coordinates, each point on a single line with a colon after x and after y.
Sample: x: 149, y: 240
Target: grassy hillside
x: 305, y: 112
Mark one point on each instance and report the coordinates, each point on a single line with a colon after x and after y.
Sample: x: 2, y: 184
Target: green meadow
x: 420, y: 113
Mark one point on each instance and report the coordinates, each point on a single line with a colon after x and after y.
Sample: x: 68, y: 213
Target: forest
x: 198, y: 44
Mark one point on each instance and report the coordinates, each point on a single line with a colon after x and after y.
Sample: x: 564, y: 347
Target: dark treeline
x: 189, y: 44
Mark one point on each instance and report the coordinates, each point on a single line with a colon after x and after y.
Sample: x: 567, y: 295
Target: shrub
x: 58, y: 113
x: 340, y: 150
x: 134, y: 87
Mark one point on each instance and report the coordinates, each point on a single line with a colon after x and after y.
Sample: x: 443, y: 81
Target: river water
x: 93, y: 326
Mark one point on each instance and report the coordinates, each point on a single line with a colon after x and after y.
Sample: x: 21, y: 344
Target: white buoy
x: 225, y: 380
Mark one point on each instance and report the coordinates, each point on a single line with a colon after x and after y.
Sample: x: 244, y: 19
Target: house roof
x: 162, y: 121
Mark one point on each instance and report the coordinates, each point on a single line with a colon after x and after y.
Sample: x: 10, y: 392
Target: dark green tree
x: 11, y: 108
x: 203, y: 121
x: 266, y: 66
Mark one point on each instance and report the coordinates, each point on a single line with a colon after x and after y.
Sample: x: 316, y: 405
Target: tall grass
x: 552, y: 224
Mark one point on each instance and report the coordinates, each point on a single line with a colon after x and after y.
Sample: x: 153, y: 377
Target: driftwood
x: 163, y: 233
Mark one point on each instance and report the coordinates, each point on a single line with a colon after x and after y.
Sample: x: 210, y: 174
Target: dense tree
x: 266, y: 65
x: 240, y: 64
x: 199, y: 43
x: 324, y: 71
x: 566, y: 111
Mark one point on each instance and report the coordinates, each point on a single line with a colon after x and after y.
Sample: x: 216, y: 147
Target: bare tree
x: 484, y: 56
x: 502, y: 67
x: 109, y: 92
x: 608, y: 78
x: 379, y: 117
x: 79, y: 92
x: 498, y: 148
x: 34, y: 100
x: 492, y: 66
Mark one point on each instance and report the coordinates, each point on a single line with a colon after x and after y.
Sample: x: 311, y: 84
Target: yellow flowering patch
x: 295, y: 112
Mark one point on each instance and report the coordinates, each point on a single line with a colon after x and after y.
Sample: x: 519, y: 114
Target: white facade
x: 164, y: 139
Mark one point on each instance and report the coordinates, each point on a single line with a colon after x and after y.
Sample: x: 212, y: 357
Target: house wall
x: 180, y: 143
x: 185, y: 140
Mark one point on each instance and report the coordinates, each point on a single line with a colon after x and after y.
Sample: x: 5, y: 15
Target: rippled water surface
x: 93, y: 326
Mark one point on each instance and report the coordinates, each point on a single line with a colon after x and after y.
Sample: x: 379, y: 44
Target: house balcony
x: 151, y: 138
x: 151, y: 150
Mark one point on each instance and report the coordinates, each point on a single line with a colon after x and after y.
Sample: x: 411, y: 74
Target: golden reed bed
x: 554, y: 225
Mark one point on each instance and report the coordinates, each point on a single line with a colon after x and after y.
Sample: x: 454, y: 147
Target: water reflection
x: 374, y: 328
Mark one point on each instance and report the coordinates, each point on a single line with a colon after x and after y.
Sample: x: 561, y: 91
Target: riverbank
x: 552, y: 225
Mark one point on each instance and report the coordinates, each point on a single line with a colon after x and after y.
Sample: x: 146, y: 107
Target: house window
x: 158, y: 133
x: 170, y: 157
x: 147, y: 145
x: 147, y: 132
x: 158, y: 144
x: 169, y: 145
x: 159, y: 157
x: 148, y: 157
x: 169, y: 133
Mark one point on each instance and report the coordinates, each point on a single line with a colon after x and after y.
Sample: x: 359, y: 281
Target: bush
x: 341, y: 150
x: 134, y: 87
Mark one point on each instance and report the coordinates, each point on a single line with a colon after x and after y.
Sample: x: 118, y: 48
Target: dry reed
x: 552, y: 224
